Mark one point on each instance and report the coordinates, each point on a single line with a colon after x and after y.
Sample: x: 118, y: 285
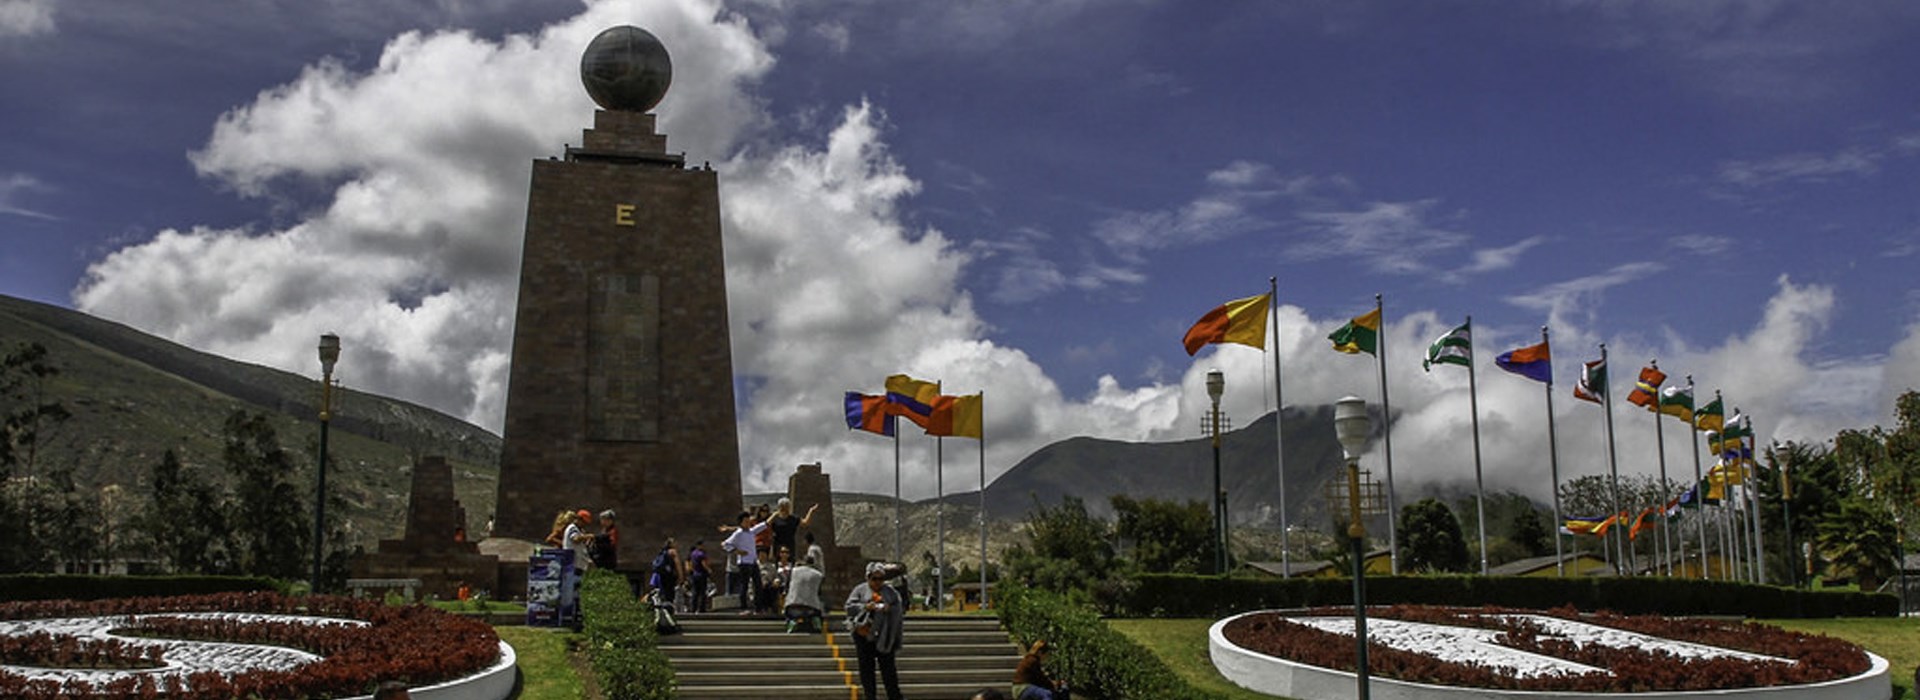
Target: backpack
x: 663, y: 566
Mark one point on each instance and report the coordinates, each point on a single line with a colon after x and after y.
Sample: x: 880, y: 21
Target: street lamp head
x: 1216, y: 384
x: 1351, y: 424
x: 329, y: 352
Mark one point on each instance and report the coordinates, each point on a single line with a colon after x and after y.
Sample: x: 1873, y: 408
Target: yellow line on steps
x: 853, y: 687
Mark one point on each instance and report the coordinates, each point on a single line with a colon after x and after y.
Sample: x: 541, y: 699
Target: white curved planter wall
x: 1275, y: 676
x: 495, y: 683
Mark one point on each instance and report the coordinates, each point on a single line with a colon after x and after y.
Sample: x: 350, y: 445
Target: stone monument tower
x: 621, y: 390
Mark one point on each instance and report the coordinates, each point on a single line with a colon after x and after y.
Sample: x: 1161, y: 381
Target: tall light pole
x: 329, y: 354
x: 1351, y: 425
x: 1217, y: 385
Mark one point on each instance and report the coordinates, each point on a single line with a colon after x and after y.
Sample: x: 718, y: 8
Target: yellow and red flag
x: 1242, y: 321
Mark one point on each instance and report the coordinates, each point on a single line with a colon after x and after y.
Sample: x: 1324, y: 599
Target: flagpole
x: 1386, y: 423
x: 1753, y: 502
x: 1613, y: 464
x: 1553, y: 451
x: 939, y: 518
x: 1279, y: 424
x: 1665, y: 544
x: 1695, y: 433
x: 1479, y: 484
x: 983, y: 499
x: 940, y: 521
x: 896, y: 495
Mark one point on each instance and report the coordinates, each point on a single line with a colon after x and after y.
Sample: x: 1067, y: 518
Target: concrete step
x: 827, y: 663
x: 768, y: 677
x: 915, y: 691
x: 724, y: 655
x: 912, y: 649
x: 692, y: 636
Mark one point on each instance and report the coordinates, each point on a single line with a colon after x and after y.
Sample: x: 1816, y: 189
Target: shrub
x: 84, y: 587
x: 1176, y: 595
x: 621, y: 643
x: 415, y: 644
x: 1087, y: 654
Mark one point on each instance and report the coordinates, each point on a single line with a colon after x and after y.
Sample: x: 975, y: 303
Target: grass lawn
x: 492, y: 606
x: 545, y: 671
x: 1182, y: 644
x: 1895, y: 639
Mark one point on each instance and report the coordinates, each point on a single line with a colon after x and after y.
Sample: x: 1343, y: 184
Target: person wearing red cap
x: 578, y: 539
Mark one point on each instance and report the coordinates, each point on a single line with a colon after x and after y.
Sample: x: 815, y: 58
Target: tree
x: 1819, y: 480
x: 270, y: 523
x: 1167, y: 537
x: 1529, y: 534
x: 1067, y: 550
x: 1430, y: 537
x: 25, y: 413
x: 1859, y: 540
x: 185, y: 520
x: 23, y: 379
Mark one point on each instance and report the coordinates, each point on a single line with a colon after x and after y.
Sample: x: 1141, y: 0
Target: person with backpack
x: 666, y: 568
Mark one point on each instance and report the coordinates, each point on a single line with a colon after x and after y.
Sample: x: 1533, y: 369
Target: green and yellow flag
x: 1362, y: 334
x: 1710, y: 417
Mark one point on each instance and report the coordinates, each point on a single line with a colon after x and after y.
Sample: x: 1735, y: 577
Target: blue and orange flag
x: 873, y: 414
x: 1534, y: 362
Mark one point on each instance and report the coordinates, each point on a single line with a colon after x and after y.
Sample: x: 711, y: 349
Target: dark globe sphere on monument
x: 626, y: 69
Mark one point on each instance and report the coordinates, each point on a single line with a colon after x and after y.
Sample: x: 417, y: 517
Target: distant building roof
x: 1529, y: 565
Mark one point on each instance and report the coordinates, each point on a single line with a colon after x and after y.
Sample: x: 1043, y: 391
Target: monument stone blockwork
x: 433, y: 548
x: 845, y: 567
x: 620, y: 394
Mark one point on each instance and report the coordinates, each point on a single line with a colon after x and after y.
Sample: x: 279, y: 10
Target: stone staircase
x: 720, y: 655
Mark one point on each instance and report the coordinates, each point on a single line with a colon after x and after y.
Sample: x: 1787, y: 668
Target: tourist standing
x: 876, y: 618
x: 579, y: 540
x: 816, y: 553
x: 741, y: 542
x: 606, y: 545
x: 666, y: 566
x: 785, y: 525
x: 698, y: 575
x: 557, y: 537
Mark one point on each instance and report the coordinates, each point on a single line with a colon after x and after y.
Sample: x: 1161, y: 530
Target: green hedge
x: 1090, y: 656
x: 621, y: 644
x: 1182, y: 595
x: 86, y: 587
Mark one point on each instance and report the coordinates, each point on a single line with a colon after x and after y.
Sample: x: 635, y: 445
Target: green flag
x: 1362, y: 334
x: 1453, y: 348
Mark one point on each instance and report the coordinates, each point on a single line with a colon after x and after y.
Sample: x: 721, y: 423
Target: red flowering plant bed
x: 1746, y: 655
x: 417, y: 645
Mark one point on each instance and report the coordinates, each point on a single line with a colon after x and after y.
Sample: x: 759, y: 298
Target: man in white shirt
x: 578, y: 539
x: 740, y: 542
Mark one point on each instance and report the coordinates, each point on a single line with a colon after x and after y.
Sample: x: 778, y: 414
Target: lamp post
x: 1351, y: 425
x: 1217, y: 385
x: 329, y: 354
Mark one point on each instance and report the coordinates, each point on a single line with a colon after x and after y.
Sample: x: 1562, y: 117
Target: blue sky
x: 1028, y: 198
